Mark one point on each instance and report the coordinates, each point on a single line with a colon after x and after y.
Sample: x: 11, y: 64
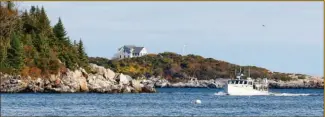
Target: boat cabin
x: 246, y: 83
x: 240, y: 82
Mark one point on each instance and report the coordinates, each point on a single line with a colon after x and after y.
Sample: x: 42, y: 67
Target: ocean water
x: 168, y: 102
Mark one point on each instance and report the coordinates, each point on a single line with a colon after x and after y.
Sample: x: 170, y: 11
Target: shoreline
x: 134, y: 93
x: 137, y: 93
x: 102, y: 80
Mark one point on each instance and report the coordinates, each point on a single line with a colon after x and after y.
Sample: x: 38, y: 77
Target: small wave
x: 275, y: 94
x: 220, y: 93
x: 290, y: 94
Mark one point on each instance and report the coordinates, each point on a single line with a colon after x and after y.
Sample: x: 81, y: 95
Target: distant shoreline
x: 133, y: 93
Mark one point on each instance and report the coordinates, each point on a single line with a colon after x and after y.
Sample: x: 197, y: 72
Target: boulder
x: 124, y: 79
x: 97, y: 83
x: 136, y: 85
x: 12, y: 84
x: 148, y: 89
x: 83, y: 84
x: 107, y: 73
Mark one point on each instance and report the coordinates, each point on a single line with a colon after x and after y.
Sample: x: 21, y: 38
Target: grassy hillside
x: 174, y: 66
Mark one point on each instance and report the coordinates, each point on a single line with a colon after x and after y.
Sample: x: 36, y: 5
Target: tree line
x: 30, y: 46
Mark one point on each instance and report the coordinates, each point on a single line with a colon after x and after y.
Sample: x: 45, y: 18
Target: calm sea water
x: 168, y: 102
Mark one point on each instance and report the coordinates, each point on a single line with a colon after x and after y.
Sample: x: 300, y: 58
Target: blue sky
x: 291, y: 41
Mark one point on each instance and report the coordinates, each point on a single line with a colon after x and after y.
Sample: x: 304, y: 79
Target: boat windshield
x: 239, y: 82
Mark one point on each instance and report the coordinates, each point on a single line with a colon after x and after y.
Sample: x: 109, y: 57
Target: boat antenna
x: 239, y: 72
x: 235, y: 72
x: 249, y: 71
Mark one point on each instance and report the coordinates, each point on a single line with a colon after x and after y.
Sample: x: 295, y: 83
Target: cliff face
x: 101, y: 80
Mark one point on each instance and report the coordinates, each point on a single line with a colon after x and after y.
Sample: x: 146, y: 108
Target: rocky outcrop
x: 217, y: 83
x: 300, y: 83
x: 100, y: 80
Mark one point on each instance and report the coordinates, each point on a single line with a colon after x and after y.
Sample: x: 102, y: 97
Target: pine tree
x: 38, y: 45
x: 44, y: 22
x: 15, y: 53
x: 83, y: 58
x: 32, y: 10
x: 25, y: 16
x: 75, y: 43
x: 37, y: 11
x: 60, y: 32
x: 10, y: 5
x: 60, y: 38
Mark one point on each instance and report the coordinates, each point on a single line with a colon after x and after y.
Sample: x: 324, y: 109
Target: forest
x: 30, y: 46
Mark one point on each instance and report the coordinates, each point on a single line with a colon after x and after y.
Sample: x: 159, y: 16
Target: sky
x: 291, y: 39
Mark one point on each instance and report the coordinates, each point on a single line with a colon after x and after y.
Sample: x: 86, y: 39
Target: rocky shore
x: 101, y: 80
x: 220, y: 82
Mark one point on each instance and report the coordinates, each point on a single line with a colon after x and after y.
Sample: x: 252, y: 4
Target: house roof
x: 128, y: 48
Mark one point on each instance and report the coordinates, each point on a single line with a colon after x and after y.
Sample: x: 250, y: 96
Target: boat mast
x: 249, y: 72
x: 239, y: 73
x: 235, y: 73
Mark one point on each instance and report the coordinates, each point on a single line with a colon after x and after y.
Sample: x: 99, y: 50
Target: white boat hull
x: 238, y: 89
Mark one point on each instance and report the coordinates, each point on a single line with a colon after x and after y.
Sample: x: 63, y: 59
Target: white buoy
x: 197, y: 101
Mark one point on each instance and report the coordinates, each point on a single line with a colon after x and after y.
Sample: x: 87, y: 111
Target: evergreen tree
x: 32, y: 10
x: 25, y: 16
x: 59, y: 31
x: 15, y: 53
x: 38, y: 45
x: 75, y: 43
x: 83, y: 58
x: 37, y: 11
x: 44, y: 22
x: 10, y: 5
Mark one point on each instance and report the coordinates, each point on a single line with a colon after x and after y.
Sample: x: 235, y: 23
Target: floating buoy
x: 197, y: 101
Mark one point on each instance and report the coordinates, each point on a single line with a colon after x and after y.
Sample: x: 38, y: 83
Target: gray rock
x: 107, y: 73
x: 124, y: 79
x: 100, y: 80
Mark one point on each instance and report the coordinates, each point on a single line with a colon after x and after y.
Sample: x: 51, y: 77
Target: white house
x: 129, y: 51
